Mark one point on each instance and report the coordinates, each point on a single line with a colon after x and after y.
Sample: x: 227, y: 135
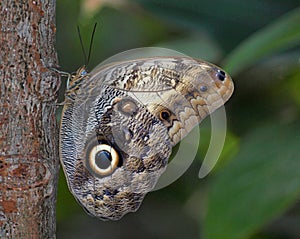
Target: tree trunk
x: 28, y: 130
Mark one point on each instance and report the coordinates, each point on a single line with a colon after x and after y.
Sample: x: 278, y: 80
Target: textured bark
x: 28, y: 130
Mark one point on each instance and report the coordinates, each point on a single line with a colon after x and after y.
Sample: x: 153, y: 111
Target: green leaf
x: 229, y: 150
x: 229, y: 21
x: 257, y: 186
x: 293, y: 86
x: 283, y: 34
x: 195, y: 45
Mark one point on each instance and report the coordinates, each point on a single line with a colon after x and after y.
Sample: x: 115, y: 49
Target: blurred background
x: 254, y: 190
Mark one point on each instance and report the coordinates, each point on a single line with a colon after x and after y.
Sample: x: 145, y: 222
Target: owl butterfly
x: 121, y: 120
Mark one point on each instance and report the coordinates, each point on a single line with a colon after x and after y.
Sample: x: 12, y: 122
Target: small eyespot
x: 203, y: 88
x: 103, y: 159
x: 164, y: 115
x: 221, y: 75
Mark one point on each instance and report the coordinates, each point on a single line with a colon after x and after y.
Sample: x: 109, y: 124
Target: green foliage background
x: 254, y: 191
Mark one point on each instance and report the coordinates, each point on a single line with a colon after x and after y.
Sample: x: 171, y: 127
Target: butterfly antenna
x: 82, y: 47
x: 91, y: 43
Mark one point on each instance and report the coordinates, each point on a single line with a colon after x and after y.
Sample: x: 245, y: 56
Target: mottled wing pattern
x: 120, y: 122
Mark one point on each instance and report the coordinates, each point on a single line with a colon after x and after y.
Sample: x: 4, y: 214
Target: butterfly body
x: 120, y: 122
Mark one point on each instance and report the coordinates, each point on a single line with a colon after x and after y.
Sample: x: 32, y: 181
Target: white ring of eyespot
x: 113, y: 164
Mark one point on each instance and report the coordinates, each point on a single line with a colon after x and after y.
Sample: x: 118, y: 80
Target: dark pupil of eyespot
x: 165, y: 115
x: 221, y: 75
x: 103, y: 159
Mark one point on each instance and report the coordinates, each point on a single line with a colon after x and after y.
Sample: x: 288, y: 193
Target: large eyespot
x: 103, y: 159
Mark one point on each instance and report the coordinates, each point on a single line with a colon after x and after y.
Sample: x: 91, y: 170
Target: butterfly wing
x: 117, y: 134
